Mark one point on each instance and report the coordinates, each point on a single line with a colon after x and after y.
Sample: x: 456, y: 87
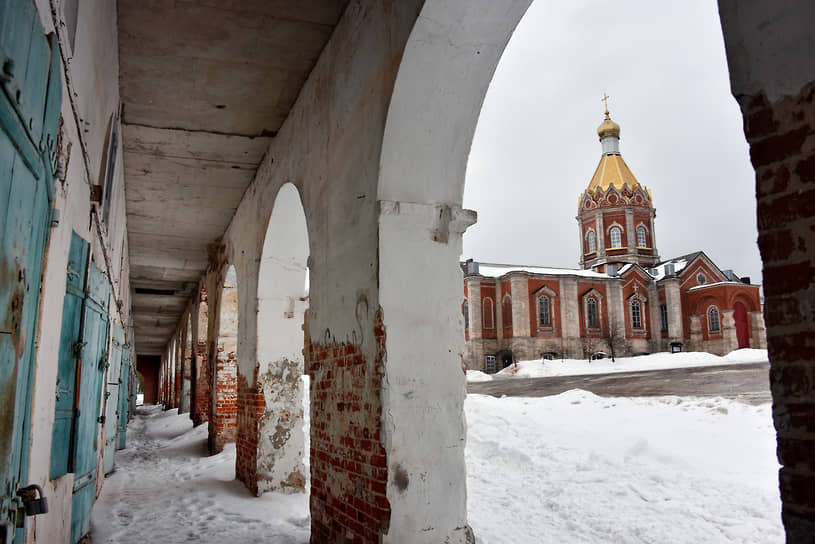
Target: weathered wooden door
x: 112, y: 396
x: 124, y: 399
x: 91, y: 370
x: 69, y: 351
x: 30, y: 98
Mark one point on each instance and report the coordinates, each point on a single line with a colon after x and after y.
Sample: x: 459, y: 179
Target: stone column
x: 474, y: 307
x: 617, y: 316
x: 654, y: 320
x: 769, y: 53
x: 200, y: 392
x: 570, y: 317
x: 758, y: 339
x: 695, y: 342
x: 673, y: 302
x: 730, y: 339
x: 186, y: 369
x: 520, y: 315
x: 630, y: 231
x: 601, y: 238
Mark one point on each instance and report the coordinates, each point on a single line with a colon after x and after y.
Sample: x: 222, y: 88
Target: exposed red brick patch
x: 780, y: 137
x: 223, y: 423
x: 251, y: 405
x: 349, y: 471
x: 199, y: 410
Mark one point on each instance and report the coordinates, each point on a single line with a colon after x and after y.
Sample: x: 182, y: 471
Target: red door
x: 742, y: 325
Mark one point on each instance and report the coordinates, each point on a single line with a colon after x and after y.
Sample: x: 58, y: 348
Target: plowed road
x: 748, y: 382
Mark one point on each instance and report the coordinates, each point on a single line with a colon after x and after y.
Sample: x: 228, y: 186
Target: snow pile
x: 478, y: 376
x: 540, y: 368
x: 581, y: 468
x: 569, y: 468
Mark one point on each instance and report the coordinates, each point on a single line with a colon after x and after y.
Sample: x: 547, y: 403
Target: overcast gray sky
x: 536, y: 148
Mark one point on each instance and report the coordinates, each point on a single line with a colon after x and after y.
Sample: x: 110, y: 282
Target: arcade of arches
x: 358, y: 117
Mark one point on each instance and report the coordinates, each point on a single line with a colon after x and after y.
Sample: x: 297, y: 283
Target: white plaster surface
x: 97, y: 97
x: 769, y: 46
x: 282, y: 304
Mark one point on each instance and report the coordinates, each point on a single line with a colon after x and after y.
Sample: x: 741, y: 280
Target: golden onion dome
x: 608, y: 128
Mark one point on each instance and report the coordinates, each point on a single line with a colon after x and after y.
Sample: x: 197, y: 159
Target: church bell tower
x: 615, y: 213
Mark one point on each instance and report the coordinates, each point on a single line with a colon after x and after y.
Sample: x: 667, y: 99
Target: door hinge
x: 101, y: 419
x: 77, y: 347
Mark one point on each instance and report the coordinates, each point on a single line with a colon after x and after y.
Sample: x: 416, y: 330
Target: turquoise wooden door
x: 112, y: 396
x: 124, y: 399
x: 69, y: 351
x: 91, y: 370
x: 30, y: 99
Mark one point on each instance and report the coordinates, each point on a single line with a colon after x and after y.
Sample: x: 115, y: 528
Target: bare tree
x: 615, y: 336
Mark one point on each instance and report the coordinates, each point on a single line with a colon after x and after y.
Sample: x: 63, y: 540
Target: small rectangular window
x: 636, y: 317
x: 490, y: 364
x: 663, y: 314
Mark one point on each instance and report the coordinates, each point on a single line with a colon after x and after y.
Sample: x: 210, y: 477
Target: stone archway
x: 271, y: 439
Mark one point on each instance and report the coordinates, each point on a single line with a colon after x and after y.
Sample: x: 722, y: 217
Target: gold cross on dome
x: 605, y: 100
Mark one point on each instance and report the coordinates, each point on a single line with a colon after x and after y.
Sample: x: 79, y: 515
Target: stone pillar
x: 224, y: 410
x: 474, y: 306
x: 653, y: 232
x: 570, y: 318
x: 695, y: 342
x: 178, y: 357
x: 499, y: 313
x: 654, y: 320
x: 601, y: 236
x: 673, y: 302
x: 630, y: 231
x: 617, y: 316
x: 729, y: 337
x: 758, y: 338
x: 424, y: 387
x: 199, y: 412
x: 520, y: 315
x: 769, y: 52
x: 186, y: 369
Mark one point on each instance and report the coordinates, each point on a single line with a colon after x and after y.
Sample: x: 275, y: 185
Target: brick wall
x: 348, y: 463
x: 250, y: 407
x: 223, y: 423
x: 782, y: 150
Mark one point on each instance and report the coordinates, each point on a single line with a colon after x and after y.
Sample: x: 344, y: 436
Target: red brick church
x: 623, y: 299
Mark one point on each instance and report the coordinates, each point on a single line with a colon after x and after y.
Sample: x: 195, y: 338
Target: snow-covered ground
x: 569, y: 468
x: 540, y: 368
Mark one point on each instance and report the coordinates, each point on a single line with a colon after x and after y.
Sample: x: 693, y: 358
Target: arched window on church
x: 616, y: 237
x: 465, y: 309
x: 636, y: 314
x: 591, y: 313
x: 591, y: 241
x: 544, y: 318
x: 489, y: 313
x: 713, y: 319
x: 642, y: 240
x: 506, y: 311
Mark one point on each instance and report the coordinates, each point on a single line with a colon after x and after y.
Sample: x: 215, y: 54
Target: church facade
x: 624, y: 299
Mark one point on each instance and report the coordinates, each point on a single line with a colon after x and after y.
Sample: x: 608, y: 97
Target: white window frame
x: 615, y: 230
x: 642, y: 237
x: 490, y: 365
x: 636, y: 303
x: 710, y: 321
x: 591, y: 241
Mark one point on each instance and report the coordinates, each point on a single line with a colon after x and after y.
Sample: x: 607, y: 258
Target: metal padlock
x: 33, y: 505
